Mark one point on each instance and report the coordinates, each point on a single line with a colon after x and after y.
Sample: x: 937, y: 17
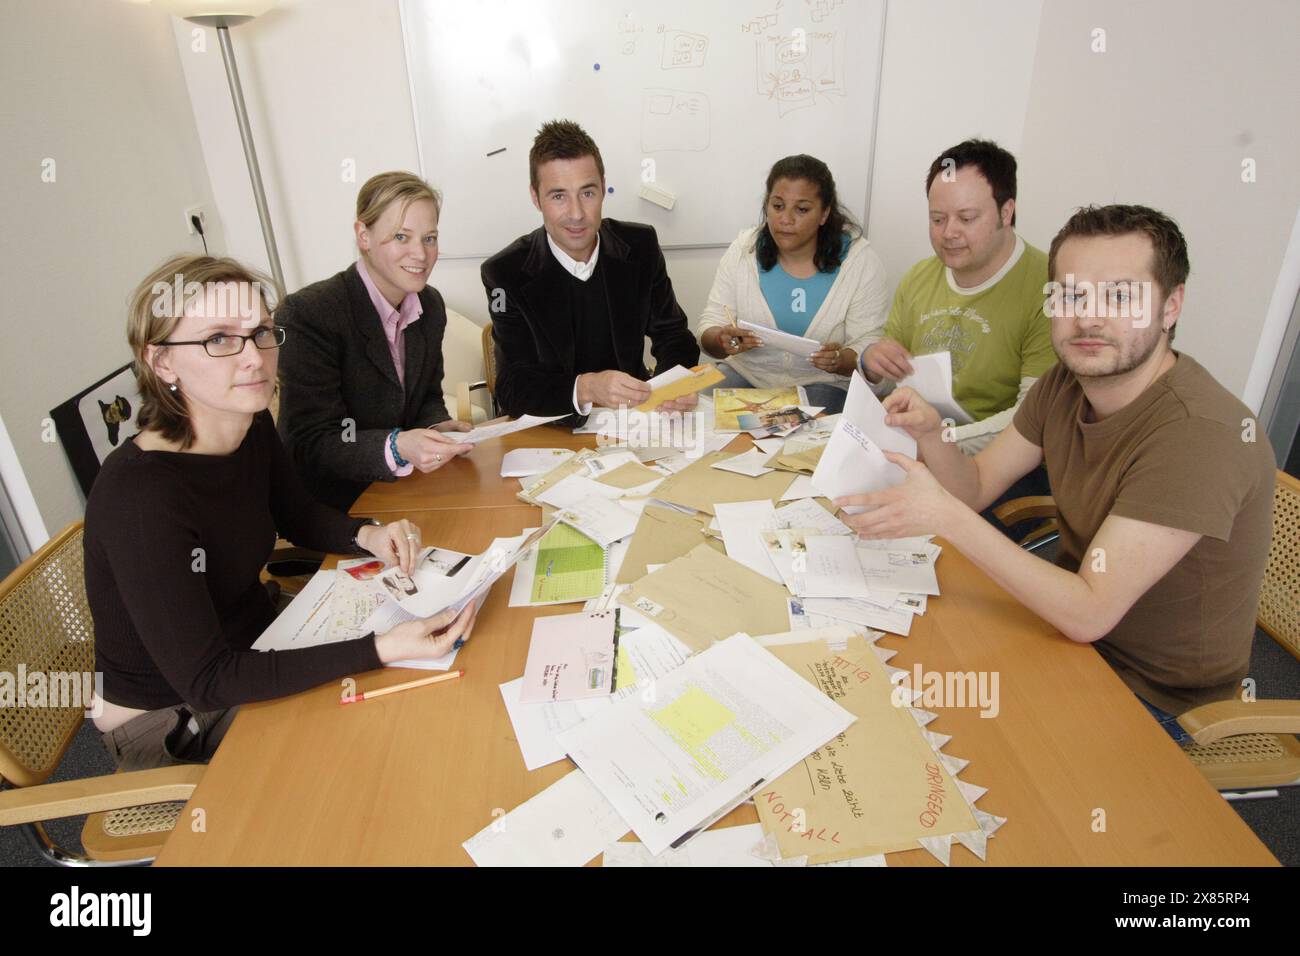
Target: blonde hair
x: 156, y: 308
x: 381, y: 191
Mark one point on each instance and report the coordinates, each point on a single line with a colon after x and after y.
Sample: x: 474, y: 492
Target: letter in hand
x: 906, y: 409
x: 744, y: 340
x: 427, y: 637
x: 887, y: 359
x: 611, y: 389
x: 920, y: 505
x: 830, y: 357
x: 453, y: 425
x: 428, y: 449
x: 395, y: 543
x: 686, y: 403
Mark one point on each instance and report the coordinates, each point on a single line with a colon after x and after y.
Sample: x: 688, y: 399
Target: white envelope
x: 932, y: 378
x: 775, y: 338
x: 854, y: 462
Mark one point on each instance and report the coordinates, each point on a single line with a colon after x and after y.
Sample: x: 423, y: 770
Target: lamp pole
x: 250, y: 156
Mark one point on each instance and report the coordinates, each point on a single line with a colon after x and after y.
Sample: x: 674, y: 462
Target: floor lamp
x: 224, y: 14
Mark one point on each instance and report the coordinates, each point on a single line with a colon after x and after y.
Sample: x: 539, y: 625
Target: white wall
x: 1183, y: 93
x: 325, y: 84
x: 97, y: 88
x: 953, y: 70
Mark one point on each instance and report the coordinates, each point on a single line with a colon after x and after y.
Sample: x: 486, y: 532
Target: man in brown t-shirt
x: 1163, y: 487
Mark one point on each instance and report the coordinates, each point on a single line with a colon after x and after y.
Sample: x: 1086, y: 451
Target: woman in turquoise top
x: 807, y: 271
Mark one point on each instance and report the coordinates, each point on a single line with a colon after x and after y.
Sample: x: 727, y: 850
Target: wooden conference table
x: 405, y: 779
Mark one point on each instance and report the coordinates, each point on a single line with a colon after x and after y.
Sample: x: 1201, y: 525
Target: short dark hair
x: 562, y: 139
x: 1169, y: 264
x: 830, y: 235
x: 994, y: 163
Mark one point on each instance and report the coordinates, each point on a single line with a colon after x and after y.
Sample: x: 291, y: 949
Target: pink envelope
x: 571, y: 657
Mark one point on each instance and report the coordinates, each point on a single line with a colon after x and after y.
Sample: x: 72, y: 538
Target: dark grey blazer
x: 339, y: 393
x: 533, y: 333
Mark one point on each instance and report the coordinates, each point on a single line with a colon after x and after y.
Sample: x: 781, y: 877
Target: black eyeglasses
x: 225, y: 344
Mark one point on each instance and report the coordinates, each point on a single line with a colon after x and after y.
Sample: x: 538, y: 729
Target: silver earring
x: 172, y: 386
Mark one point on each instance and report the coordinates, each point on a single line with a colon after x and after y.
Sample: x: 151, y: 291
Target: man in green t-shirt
x: 1163, y: 483
x: 980, y: 297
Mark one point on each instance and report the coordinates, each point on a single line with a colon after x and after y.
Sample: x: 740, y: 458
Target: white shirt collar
x: 579, y: 270
x: 992, y: 280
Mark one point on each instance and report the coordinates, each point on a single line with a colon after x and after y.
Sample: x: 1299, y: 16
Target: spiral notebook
x: 564, y: 567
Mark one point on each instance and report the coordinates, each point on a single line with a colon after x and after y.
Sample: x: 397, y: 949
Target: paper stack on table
x: 717, y: 728
x: 838, y: 577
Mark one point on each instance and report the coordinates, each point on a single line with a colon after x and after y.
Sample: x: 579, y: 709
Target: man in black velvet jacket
x: 572, y: 302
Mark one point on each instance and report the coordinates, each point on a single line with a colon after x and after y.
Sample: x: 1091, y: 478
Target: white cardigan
x: 852, y: 314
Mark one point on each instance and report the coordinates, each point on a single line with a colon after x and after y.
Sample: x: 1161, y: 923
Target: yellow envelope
x: 705, y: 596
x: 661, y: 535
x: 701, y: 486
x: 877, y: 787
x: 701, y: 377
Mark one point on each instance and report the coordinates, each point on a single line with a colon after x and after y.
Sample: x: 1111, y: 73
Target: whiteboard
x: 698, y: 97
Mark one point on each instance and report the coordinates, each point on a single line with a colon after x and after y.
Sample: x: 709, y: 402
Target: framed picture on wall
x: 97, y: 420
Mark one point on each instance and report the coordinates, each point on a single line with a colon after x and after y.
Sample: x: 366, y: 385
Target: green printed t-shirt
x: 997, y: 331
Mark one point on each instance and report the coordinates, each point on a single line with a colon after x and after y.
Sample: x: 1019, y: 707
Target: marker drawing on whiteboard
x: 495, y: 151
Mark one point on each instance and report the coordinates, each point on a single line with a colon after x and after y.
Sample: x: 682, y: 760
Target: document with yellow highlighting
x: 701, y: 738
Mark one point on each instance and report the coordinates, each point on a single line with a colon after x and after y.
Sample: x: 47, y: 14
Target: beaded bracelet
x: 392, y: 446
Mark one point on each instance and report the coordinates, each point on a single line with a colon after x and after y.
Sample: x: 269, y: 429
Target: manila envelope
x: 877, y: 787
x: 661, y: 535
x: 701, y: 486
x: 535, y: 487
x: 705, y: 596
x: 801, y: 461
x: 629, y: 475
x: 701, y: 377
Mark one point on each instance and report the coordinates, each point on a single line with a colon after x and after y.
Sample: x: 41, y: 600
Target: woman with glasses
x: 361, y: 377
x: 182, y: 518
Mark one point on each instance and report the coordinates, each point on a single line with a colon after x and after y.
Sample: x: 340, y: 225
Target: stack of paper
x: 716, y: 729
x: 705, y: 596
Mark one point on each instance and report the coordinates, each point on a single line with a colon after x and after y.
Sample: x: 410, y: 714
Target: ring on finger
x: 412, y: 537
